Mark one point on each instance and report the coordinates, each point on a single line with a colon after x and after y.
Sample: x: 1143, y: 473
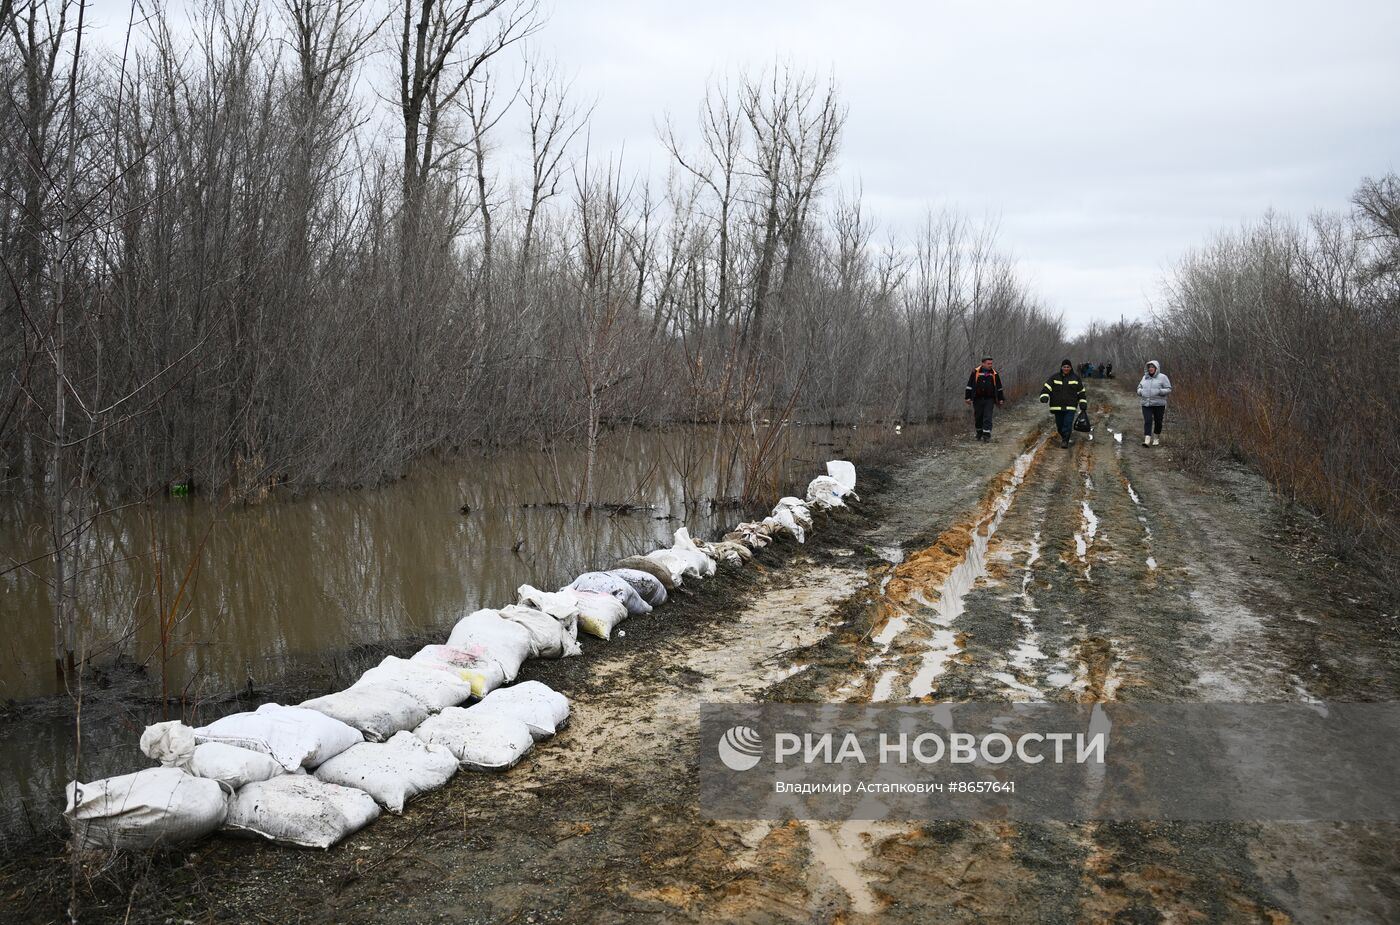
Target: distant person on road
x: 984, y: 394
x: 1108, y: 370
x: 1153, y: 390
x: 1065, y: 394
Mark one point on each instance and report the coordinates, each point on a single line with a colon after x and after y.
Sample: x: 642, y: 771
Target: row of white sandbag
x: 231, y: 774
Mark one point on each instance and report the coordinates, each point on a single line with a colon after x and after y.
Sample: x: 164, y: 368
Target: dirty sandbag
x: 604, y: 583
x: 726, y: 551
x: 843, y: 472
x: 377, y: 710
x: 433, y: 688
x: 393, y: 772
x: 506, y: 642
x: 535, y: 704
x: 481, y: 741
x: 138, y: 811
x: 561, y: 607
x: 231, y: 765
x: 171, y: 743
x: 294, y: 736
x: 548, y: 637
x: 598, y: 613
x: 673, y: 562
x: 670, y: 580
x: 472, y: 664
x: 300, y: 810
x: 824, y: 492
x: 800, y: 512
x: 646, y: 584
x: 753, y: 534
x: 782, y: 521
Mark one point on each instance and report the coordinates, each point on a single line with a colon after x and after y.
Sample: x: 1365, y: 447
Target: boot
x: 1157, y: 440
x: 1147, y: 440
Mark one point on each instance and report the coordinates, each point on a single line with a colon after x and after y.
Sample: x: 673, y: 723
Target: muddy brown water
x: 287, y: 587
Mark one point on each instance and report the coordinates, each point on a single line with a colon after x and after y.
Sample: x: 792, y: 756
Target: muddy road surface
x: 1014, y: 571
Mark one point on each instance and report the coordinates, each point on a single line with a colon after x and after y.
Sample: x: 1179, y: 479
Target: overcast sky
x: 1106, y: 137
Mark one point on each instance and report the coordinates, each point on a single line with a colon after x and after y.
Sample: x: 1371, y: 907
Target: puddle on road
x: 1142, y: 518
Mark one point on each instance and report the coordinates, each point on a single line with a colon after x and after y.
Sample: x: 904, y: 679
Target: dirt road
x: 1011, y: 571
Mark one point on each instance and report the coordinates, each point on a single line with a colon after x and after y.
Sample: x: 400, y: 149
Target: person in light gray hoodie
x: 1153, y: 390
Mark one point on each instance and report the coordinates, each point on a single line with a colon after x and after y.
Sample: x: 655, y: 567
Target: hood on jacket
x: 1153, y: 363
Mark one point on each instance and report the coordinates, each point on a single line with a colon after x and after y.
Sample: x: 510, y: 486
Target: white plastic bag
x: 138, y: 811
x: 506, y: 642
x: 294, y: 736
x: 392, y: 772
x: 535, y: 704
x: 651, y: 588
x: 231, y: 765
x: 844, y: 473
x: 608, y: 583
x: 299, y: 809
x: 473, y: 665
x: 377, y: 710
x: 598, y: 614
x: 548, y: 637
x: 483, y: 741
x: 432, y: 687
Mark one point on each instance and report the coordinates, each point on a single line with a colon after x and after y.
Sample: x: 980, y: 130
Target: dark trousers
x: 1064, y: 423
x: 982, y: 413
x: 1152, y: 419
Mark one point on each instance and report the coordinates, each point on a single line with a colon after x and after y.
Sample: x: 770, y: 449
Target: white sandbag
x: 843, y: 472
x: 171, y: 743
x: 299, y: 809
x: 231, y: 765
x: 607, y: 583
x: 294, y: 736
x: 377, y: 710
x: 703, y: 566
x: 473, y: 665
x: 559, y: 606
x: 646, y: 584
x: 783, y: 522
x: 548, y: 637
x: 675, y: 563
x: 535, y: 704
x: 392, y: 772
x: 506, y: 642
x: 598, y: 614
x: 483, y: 741
x: 824, y: 492
x: 150, y: 807
x: 670, y: 580
x: 432, y: 687
x: 800, y: 512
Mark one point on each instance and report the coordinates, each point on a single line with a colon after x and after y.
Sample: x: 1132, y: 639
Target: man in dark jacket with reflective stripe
x: 984, y: 394
x: 1065, y: 394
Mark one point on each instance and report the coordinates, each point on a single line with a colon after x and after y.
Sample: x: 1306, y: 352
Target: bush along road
x: 1005, y: 572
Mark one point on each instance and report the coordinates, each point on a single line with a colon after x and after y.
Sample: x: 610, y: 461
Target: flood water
x: 287, y: 582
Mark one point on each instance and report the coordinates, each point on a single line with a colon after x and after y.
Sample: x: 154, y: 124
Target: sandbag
x: 606, y: 583
x: 672, y: 562
x: 598, y: 614
x: 669, y: 579
x: 844, y: 473
x: 482, y: 741
x: 432, y: 687
x: 651, y: 588
x: 231, y: 765
x: 754, y: 534
x: 294, y: 736
x: 727, y: 551
x: 299, y: 809
x: 800, y: 512
x: 702, y: 565
x: 392, y: 772
x: 559, y: 606
x: 824, y: 492
x: 782, y: 521
x: 171, y: 743
x: 548, y: 637
x: 377, y: 710
x: 473, y: 665
x: 536, y: 705
x: 506, y: 642
x: 141, y: 810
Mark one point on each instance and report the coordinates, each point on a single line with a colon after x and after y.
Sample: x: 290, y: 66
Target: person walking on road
x: 1153, y: 390
x: 1065, y: 394
x: 984, y: 393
